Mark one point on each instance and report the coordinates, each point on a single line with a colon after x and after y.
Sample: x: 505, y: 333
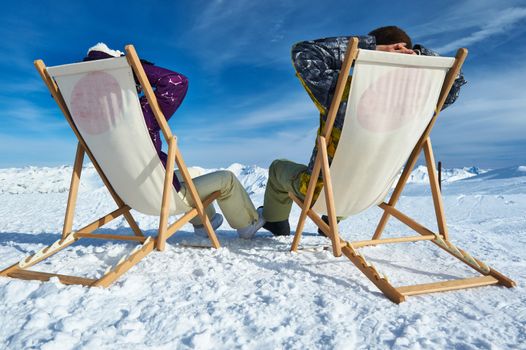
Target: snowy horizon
x: 36, y: 179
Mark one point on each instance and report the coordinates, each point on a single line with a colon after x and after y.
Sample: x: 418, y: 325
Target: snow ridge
x: 420, y: 175
x: 33, y: 179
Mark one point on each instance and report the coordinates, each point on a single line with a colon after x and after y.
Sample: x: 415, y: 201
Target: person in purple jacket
x: 170, y: 89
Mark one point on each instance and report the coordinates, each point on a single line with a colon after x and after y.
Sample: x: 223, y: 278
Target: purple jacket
x: 170, y: 89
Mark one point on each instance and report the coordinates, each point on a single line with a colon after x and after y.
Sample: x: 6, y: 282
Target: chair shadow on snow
x: 24, y: 244
x: 28, y: 243
x: 292, y: 266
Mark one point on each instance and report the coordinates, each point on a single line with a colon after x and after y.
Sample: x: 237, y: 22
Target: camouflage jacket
x: 317, y: 64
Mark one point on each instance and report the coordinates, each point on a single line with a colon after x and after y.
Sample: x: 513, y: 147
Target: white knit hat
x: 104, y: 48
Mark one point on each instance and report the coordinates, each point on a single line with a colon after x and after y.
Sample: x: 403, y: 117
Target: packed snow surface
x: 256, y: 294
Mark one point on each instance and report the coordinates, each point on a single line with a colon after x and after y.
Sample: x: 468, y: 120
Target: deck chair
x: 100, y: 102
x: 393, y: 103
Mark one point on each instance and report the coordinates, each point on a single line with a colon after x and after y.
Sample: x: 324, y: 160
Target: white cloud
x: 290, y: 111
x: 16, y: 31
x: 500, y: 23
x: 243, y: 31
x: 460, y: 15
x: 25, y: 85
x: 285, y: 111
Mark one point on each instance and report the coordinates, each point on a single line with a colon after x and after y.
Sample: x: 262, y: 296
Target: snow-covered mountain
x: 420, y: 175
x: 503, y: 173
x: 57, y: 179
x: 46, y: 179
x: 252, y: 177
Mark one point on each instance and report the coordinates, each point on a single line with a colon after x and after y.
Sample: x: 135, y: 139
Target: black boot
x: 278, y: 228
x: 325, y: 219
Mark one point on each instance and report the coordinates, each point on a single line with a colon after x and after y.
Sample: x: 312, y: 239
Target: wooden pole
x: 167, y: 194
x: 408, y: 168
x: 373, y: 242
x: 350, y: 55
x: 440, y: 175
x: 190, y: 187
x: 135, y: 63
x: 44, y: 276
x: 305, y: 206
x: 73, y: 191
x: 438, y: 204
x: 444, y: 286
x: 110, y: 237
x: 329, y: 197
x: 373, y: 275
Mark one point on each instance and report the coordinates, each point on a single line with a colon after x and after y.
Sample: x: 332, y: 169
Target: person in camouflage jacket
x: 317, y: 64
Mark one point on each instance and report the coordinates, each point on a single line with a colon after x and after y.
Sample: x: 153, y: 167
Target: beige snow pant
x: 283, y: 177
x: 233, y: 200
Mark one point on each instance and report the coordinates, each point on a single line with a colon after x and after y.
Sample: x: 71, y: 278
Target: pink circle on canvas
x: 96, y: 102
x: 393, y: 100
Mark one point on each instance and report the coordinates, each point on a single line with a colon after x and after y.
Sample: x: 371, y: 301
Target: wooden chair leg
x: 73, y: 190
x: 395, y: 196
x: 196, y: 199
x: 189, y: 216
x: 133, y: 224
x: 435, y: 189
x: 306, y: 204
x: 299, y: 227
x: 373, y: 275
x: 209, y: 229
x: 329, y: 197
x: 167, y: 194
x: 125, y: 263
x: 20, y: 269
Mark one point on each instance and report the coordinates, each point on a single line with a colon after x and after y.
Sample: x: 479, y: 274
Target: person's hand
x: 398, y: 48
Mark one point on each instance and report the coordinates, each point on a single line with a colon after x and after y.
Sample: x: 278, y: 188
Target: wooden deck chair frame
x: 440, y: 238
x: 146, y: 244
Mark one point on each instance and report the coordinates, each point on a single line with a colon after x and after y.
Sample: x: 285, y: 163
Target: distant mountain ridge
x: 420, y: 174
x: 254, y: 178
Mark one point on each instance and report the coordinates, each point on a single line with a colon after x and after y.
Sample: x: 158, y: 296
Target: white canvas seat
x: 394, y: 101
x: 116, y: 133
x: 99, y: 101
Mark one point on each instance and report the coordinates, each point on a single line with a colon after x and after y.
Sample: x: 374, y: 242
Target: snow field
x: 256, y: 294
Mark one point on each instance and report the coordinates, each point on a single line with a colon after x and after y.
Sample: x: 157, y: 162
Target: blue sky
x: 244, y: 103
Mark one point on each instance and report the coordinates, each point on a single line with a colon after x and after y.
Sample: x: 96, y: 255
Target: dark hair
x: 391, y: 35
